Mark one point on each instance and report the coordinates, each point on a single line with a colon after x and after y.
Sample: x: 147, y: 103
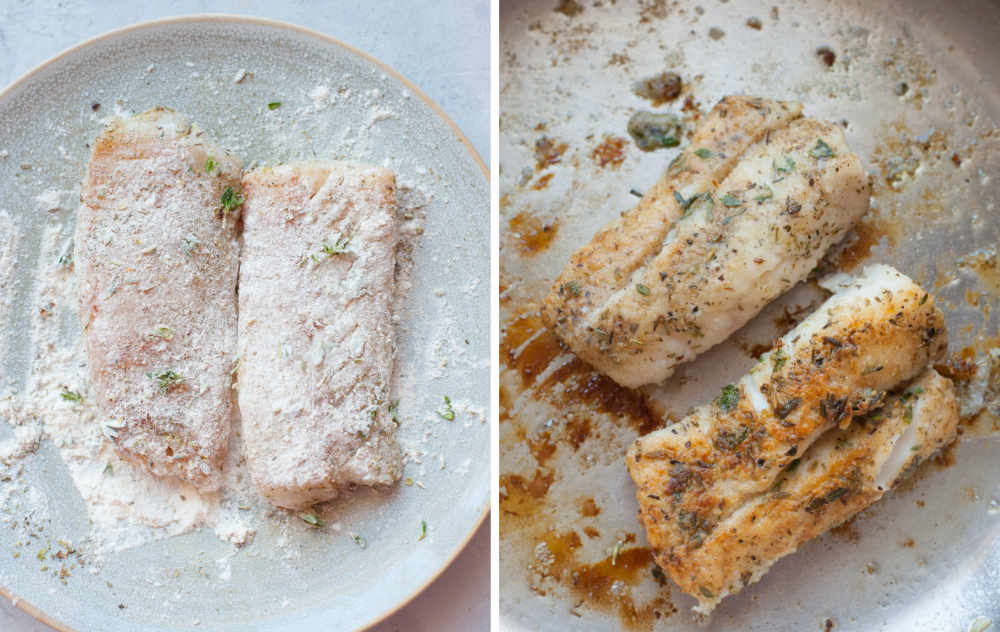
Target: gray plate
x: 927, y: 557
x: 46, y: 121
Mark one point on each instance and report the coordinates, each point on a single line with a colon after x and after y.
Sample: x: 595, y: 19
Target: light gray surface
x: 444, y: 51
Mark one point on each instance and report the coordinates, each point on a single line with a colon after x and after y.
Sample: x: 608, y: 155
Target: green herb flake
x: 209, y: 165
x: 615, y: 551
x: 108, y: 469
x: 360, y: 541
x: 66, y: 260
x: 788, y: 167
x: 231, y: 200
x: 766, y: 194
x: 71, y: 396
x: 162, y: 331
x: 652, y: 131
x: 821, y: 150
x: 166, y: 380
x: 924, y: 299
x: 703, y: 153
x: 274, y: 105
x: 731, y: 200
x: 394, y: 411
x: 423, y: 530
x: 681, y: 201
x: 409, y: 482
x: 913, y: 390
x: 446, y: 412
x: 706, y: 593
x: 572, y: 288
x: 312, y: 519
x: 778, y: 359
x: 908, y: 414
x: 642, y: 289
x: 728, y: 399
x: 338, y: 247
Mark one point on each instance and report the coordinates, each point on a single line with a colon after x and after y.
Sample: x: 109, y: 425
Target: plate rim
x: 218, y: 18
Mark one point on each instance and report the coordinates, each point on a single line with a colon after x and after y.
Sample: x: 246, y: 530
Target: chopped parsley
x: 274, y: 105
x: 642, y: 289
x: 71, y: 396
x: 778, y: 359
x: 423, y: 530
x: 924, y: 299
x: 766, y: 194
x: 166, y: 380
x: 728, y: 399
x: 731, y: 200
x: 312, y: 519
x: 788, y: 167
x: 821, y: 150
x: 360, y: 541
x: 338, y: 247
x: 230, y: 200
x: 108, y: 470
x: 209, y: 165
x: 66, y: 259
x: 162, y: 331
x: 446, y: 412
x: 703, y: 153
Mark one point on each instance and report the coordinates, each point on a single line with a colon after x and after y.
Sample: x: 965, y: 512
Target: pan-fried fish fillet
x: 315, y: 329
x: 841, y: 474
x: 878, y: 331
x: 746, y: 212
x: 156, y: 260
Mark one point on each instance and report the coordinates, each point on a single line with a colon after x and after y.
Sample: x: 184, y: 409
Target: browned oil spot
x: 569, y: 8
x: 609, y: 152
x: 692, y: 109
x: 828, y: 625
x: 868, y: 233
x: 548, y: 152
x: 960, y: 366
x: 588, y: 508
x: 908, y: 543
x: 591, y: 533
x: 531, y: 235
x: 541, y: 447
x: 946, y: 457
x: 826, y: 55
x: 526, y: 346
x: 971, y: 494
x: 580, y: 383
x: 716, y: 33
x: 791, y: 317
x: 505, y: 404
x: 972, y: 298
x: 652, y: 9
x: 660, y: 88
x: 542, y: 182
x: 921, y: 504
x: 847, y: 531
x: 754, y: 351
x: 956, y: 160
x: 593, y: 584
x: 619, y: 59
x: 505, y: 200
x: 755, y: 23
x: 522, y: 497
x: 986, y: 267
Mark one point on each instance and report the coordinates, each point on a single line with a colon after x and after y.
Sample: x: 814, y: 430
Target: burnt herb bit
x: 637, y: 193
x: 230, y: 200
x: 274, y: 105
x: 821, y: 150
x: 729, y: 398
x: 312, y: 519
x: 166, y: 380
x: 446, y: 412
x: 731, y: 200
x: 727, y: 440
x: 924, y: 299
x: 706, y: 593
x: 71, y: 396
x: 652, y: 131
x: 642, y: 289
x: 209, y: 165
x: 703, y: 153
x: 571, y: 288
x: 792, y: 466
x: 832, y: 408
x: 786, y: 409
x: 665, y: 86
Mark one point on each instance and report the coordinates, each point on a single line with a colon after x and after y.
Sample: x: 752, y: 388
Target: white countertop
x: 444, y: 50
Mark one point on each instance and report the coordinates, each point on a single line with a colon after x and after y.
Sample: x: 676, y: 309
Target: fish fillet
x: 743, y: 215
x: 316, y: 335
x: 877, y: 332
x: 157, y: 258
x: 841, y: 474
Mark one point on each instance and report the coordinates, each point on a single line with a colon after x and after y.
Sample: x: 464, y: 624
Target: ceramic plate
x: 335, y: 102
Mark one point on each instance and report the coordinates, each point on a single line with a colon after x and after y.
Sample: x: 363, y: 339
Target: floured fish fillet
x: 316, y: 336
x: 841, y: 474
x: 745, y: 213
x: 877, y: 332
x: 157, y: 258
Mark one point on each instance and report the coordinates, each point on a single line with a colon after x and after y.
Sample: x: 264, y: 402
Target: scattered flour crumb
x: 51, y: 200
x: 240, y: 76
x: 320, y: 96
